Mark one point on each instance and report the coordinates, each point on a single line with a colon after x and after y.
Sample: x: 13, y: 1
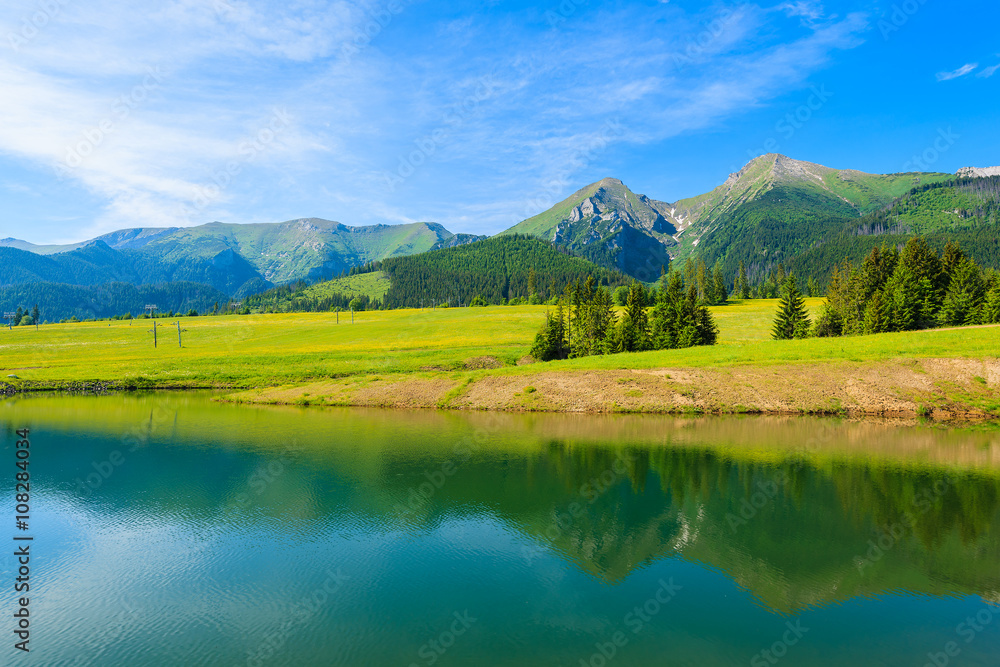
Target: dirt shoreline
x: 940, y: 389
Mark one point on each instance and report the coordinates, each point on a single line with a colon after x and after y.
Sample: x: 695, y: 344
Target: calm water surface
x: 172, y: 530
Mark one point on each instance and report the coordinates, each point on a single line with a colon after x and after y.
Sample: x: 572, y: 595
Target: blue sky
x: 473, y: 114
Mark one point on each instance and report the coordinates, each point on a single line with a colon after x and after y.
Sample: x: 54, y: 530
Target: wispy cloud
x: 987, y: 72
x: 961, y: 71
x: 807, y: 9
x: 227, y: 65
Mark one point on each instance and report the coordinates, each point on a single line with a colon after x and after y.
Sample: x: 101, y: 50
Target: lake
x: 170, y: 529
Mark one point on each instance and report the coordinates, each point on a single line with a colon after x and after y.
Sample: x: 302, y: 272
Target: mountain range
x: 775, y: 209
x: 772, y: 196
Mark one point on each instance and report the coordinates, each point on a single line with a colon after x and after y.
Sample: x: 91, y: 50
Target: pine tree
x: 812, y: 287
x: 991, y: 306
x: 876, y: 318
x: 663, y: 321
x: 550, y: 342
x: 902, y: 297
x: 779, y: 274
x: 702, y: 281
x: 35, y: 314
x: 951, y: 259
x: 966, y: 294
x: 633, y: 329
x: 742, y: 287
x: 720, y: 294
x: 792, y: 320
x: 829, y: 322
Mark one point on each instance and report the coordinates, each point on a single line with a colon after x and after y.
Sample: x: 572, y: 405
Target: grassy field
x: 256, y: 350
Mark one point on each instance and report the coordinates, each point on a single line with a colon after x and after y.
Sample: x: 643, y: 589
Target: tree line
x: 584, y: 322
x: 896, y: 290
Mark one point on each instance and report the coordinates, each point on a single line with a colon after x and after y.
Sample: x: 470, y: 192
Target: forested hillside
x: 57, y: 302
x: 963, y: 211
x: 497, y: 269
x: 492, y: 271
x: 97, y: 263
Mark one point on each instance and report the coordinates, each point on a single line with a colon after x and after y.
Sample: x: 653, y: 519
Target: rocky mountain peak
x: 978, y: 172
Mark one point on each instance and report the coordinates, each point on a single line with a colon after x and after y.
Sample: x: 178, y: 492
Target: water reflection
x: 252, y: 503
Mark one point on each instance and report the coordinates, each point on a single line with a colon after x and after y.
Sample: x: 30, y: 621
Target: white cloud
x: 227, y: 64
x: 961, y: 71
x: 988, y: 72
x: 809, y: 10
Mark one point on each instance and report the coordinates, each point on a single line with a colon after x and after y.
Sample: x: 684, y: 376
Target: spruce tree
x: 792, y: 320
x: 876, y: 318
x: 702, y: 280
x: 991, y: 306
x: 633, y: 329
x: 903, y: 301
x: 812, y: 287
x: 829, y: 322
x: 742, y: 287
x: 550, y: 342
x: 720, y: 294
x: 966, y: 294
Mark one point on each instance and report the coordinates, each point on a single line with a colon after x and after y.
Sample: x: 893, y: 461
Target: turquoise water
x: 172, y: 530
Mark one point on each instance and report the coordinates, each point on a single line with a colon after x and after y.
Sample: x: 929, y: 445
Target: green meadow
x: 262, y: 350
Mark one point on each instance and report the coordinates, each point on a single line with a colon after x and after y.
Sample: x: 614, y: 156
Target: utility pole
x: 151, y: 308
x: 10, y: 319
x: 179, y: 334
x: 352, y: 316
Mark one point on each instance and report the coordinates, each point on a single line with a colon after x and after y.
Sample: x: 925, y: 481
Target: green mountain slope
x: 964, y: 210
x: 97, y: 263
x: 59, y: 301
x: 495, y: 269
x: 237, y: 260
x: 610, y: 225
x: 298, y: 249
x: 776, y: 207
x: 771, y: 209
